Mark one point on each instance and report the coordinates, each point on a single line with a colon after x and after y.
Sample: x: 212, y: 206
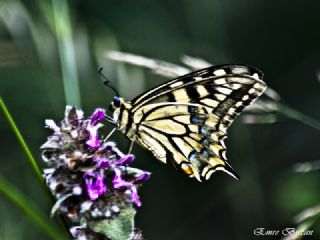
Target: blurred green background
x: 49, y: 48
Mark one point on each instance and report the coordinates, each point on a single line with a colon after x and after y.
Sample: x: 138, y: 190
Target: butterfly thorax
x: 121, y: 108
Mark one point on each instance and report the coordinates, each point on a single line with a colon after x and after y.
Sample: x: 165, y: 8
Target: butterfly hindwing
x: 191, y: 141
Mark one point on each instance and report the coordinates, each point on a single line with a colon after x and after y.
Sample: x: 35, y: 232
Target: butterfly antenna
x: 107, y: 82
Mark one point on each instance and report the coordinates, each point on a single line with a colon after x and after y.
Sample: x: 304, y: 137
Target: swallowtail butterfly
x: 185, y: 120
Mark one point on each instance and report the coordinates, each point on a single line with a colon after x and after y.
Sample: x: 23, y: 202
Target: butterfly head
x: 117, y: 106
x: 116, y: 103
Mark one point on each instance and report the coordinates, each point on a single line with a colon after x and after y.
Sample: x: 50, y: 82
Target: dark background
x: 282, y: 38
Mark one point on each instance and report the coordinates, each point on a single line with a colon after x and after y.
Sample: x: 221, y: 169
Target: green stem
x: 14, y: 195
x: 21, y: 140
x: 294, y: 114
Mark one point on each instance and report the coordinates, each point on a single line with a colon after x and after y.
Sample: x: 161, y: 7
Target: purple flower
x: 95, y: 184
x: 97, y: 116
x: 75, y: 231
x: 118, y: 182
x: 125, y: 160
x: 145, y: 176
x: 93, y: 140
x: 134, y: 196
x: 93, y: 127
x: 89, y: 176
x: 103, y: 164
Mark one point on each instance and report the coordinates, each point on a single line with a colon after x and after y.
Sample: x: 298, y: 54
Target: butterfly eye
x: 116, y: 102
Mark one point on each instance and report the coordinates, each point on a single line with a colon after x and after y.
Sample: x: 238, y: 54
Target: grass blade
x: 66, y: 52
x: 21, y: 140
x: 294, y: 114
x: 29, y: 156
x: 15, y: 196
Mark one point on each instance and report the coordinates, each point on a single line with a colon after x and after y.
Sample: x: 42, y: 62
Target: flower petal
x: 118, y: 182
x: 52, y: 125
x: 135, y: 197
x: 103, y: 164
x: 145, y: 176
x: 95, y: 184
x: 93, y: 141
x: 97, y: 116
x: 127, y: 159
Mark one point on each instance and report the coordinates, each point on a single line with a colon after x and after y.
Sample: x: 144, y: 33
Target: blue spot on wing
x: 192, y: 109
x: 193, y: 155
x: 203, y: 130
x: 204, y: 152
x: 205, y: 142
x: 197, y: 119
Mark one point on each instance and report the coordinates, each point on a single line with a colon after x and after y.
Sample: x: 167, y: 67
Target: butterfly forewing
x: 219, y: 72
x: 185, y: 120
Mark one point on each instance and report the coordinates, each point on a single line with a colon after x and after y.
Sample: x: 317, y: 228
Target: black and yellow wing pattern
x: 186, y: 119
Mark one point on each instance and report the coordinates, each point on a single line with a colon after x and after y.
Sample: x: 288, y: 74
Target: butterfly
x: 185, y: 120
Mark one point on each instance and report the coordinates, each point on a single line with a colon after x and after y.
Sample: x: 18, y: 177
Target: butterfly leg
x: 130, y: 147
x: 128, y: 152
x: 109, y: 135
